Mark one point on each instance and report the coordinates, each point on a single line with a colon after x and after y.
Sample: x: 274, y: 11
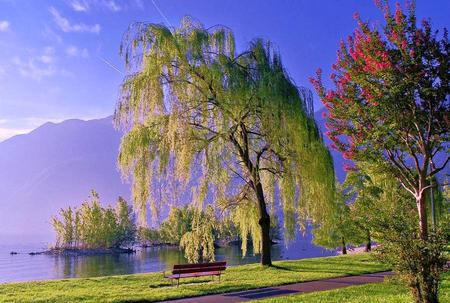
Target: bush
x: 419, y: 262
x: 92, y: 226
x: 148, y: 236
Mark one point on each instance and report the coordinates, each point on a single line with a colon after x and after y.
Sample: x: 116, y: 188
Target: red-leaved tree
x: 390, y: 103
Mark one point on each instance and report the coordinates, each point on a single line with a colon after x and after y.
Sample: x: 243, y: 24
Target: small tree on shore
x: 390, y: 106
x: 126, y: 227
x: 92, y: 226
x: 362, y: 192
x: 340, y: 229
x: 192, y: 105
x: 65, y: 228
x: 178, y: 222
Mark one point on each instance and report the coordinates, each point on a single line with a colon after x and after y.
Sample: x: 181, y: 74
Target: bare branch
x: 436, y: 170
x: 405, y: 180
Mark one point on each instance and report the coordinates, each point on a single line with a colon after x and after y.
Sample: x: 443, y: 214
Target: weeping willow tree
x: 198, y: 243
x: 231, y: 125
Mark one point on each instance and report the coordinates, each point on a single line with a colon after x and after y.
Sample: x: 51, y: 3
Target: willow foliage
x: 195, y: 110
x: 198, y: 243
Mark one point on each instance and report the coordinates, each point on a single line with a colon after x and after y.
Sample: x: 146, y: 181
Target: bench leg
x: 178, y: 282
x: 219, y: 277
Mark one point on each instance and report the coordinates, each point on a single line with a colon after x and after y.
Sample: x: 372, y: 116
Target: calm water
x: 23, y: 267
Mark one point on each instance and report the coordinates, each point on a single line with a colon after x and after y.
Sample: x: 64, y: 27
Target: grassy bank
x: 153, y: 287
x: 390, y: 291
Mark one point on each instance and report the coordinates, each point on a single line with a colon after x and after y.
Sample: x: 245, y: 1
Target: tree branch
x: 436, y: 170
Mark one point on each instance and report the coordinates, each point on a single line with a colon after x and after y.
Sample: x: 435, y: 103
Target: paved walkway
x: 303, y: 287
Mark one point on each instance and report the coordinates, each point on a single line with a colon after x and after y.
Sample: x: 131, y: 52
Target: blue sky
x: 52, y: 53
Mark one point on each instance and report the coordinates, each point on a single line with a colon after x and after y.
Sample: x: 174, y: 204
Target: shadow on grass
x: 182, y: 283
x: 136, y: 301
x: 283, y: 268
x: 160, y: 285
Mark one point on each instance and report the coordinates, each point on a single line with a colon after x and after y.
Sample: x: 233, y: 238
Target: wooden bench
x: 196, y: 270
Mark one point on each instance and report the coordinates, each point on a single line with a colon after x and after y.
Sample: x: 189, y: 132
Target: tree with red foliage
x: 390, y: 102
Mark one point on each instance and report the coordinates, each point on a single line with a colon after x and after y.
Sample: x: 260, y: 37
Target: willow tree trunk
x: 369, y: 242
x: 344, y: 246
x: 264, y: 222
x: 264, y: 218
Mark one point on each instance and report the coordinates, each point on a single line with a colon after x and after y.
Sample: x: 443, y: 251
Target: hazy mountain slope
x: 54, y: 166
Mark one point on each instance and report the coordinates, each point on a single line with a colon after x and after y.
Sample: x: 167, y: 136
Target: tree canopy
x: 231, y: 125
x: 390, y: 107
x: 390, y: 103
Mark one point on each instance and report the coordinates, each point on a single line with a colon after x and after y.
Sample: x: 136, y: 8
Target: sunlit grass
x: 153, y: 287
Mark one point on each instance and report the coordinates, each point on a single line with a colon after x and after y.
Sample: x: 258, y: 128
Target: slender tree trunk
x: 369, y: 242
x: 423, y: 221
x: 424, y: 291
x: 344, y: 248
x: 427, y: 286
x: 264, y: 222
x: 431, y: 297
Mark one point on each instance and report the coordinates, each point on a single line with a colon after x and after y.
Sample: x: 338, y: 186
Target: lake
x: 24, y: 267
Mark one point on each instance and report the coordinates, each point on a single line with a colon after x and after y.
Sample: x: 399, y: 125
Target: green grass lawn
x: 391, y: 291
x: 153, y: 287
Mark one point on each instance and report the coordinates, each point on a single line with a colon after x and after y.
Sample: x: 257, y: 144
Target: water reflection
x: 23, y: 267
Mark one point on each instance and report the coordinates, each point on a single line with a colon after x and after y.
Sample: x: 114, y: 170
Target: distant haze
x: 56, y: 166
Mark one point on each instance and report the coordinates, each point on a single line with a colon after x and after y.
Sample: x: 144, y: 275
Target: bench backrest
x: 201, y: 267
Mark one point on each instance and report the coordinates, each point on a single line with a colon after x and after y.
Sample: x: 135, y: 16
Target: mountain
x: 56, y: 166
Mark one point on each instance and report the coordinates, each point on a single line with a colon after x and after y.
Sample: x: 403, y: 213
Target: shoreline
x: 107, y: 251
x: 91, y: 251
x: 79, y: 251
